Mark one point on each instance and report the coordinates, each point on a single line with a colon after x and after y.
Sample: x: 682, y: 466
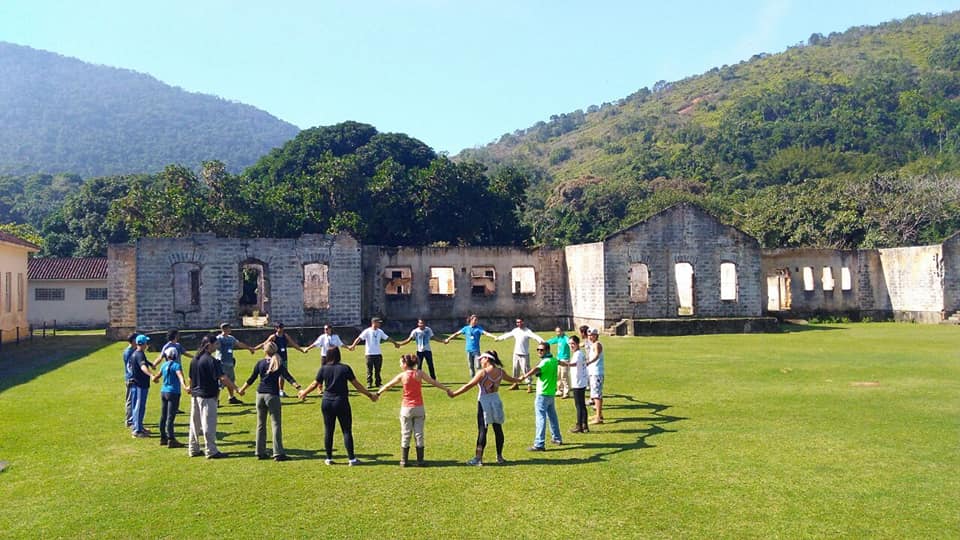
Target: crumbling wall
x: 401, y: 301
x: 585, y: 284
x: 211, y: 296
x: 121, y: 290
x: 951, y: 275
x: 680, y: 234
x: 914, y: 278
x: 821, y: 298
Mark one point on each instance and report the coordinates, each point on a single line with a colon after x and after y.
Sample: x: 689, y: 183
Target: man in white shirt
x: 372, y: 337
x: 521, y: 351
x: 324, y: 341
x: 422, y: 334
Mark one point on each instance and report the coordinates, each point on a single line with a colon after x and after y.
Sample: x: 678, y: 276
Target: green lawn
x: 730, y: 436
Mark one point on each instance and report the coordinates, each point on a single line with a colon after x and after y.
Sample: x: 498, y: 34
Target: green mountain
x: 59, y: 114
x: 811, y: 125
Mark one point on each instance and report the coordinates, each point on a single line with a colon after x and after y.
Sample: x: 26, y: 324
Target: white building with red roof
x: 70, y: 293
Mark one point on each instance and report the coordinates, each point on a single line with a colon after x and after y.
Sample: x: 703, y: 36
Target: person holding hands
x: 372, y: 336
x: 269, y: 370
x: 471, y: 333
x: 412, y: 412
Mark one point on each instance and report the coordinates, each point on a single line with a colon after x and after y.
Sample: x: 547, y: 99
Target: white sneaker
x: 328, y: 461
x: 353, y: 462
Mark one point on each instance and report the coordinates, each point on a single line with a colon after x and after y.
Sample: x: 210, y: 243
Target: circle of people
x: 576, y: 368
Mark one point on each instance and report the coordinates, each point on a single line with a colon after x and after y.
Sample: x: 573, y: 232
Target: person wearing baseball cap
x: 140, y: 375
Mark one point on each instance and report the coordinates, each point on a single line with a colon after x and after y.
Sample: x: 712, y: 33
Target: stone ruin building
x: 679, y: 271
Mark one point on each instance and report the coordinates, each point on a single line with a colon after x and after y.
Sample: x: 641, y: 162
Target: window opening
x: 684, y: 275
x: 483, y: 280
x: 728, y: 281
x: 524, y: 280
x: 826, y: 279
x: 639, y: 282
x: 808, y: 283
x: 398, y: 280
x: 441, y: 281
x: 316, y: 286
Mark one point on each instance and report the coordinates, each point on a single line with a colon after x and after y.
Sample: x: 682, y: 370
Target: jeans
x: 128, y: 403
x: 472, y: 362
x: 203, y: 421
x: 428, y: 356
x: 138, y: 398
x: 545, y: 408
x: 169, y: 403
x: 269, y: 403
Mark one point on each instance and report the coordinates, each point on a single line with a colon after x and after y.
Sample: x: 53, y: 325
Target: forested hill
x: 766, y: 142
x: 59, y: 114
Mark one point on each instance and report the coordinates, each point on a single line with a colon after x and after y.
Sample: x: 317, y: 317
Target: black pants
x: 482, y: 434
x: 169, y: 403
x: 337, y: 410
x: 579, y: 394
x: 374, y: 363
x: 428, y: 356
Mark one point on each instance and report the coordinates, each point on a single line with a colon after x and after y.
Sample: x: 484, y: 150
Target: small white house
x: 13, y: 268
x: 68, y: 293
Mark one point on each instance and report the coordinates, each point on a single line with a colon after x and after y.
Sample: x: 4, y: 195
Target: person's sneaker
x: 576, y: 429
x: 140, y: 435
x: 501, y: 461
x: 537, y: 449
x: 235, y: 401
x: 262, y: 456
x: 353, y: 462
x: 328, y: 462
x: 475, y: 461
x: 163, y: 441
x: 218, y: 455
x: 283, y: 394
x: 557, y: 442
x: 173, y: 443
x: 529, y: 389
x: 281, y: 457
x: 196, y: 454
x: 147, y: 431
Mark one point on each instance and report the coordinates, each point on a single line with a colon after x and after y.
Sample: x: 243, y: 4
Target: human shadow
x: 32, y: 358
x: 652, y: 414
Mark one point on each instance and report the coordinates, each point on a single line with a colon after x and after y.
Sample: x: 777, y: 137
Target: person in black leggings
x: 335, y: 406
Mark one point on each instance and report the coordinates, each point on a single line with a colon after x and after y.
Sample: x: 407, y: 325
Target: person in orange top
x: 412, y: 413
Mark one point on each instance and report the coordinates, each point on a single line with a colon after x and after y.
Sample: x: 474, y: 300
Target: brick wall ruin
x: 679, y: 264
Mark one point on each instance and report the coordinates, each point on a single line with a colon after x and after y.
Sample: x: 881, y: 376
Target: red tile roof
x: 11, y: 239
x: 79, y: 268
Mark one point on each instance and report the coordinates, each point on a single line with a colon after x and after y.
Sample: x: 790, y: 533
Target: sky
x: 454, y: 74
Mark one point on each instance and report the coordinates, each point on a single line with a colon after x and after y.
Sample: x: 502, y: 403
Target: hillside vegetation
x: 812, y: 146
x: 61, y: 115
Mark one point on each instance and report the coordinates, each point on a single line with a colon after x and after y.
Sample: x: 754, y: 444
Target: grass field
x: 822, y: 431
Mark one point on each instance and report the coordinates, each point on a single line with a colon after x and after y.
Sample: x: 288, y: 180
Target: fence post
x: 54, y: 328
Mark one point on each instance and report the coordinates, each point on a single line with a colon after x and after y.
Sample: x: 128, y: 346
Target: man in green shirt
x: 563, y: 355
x: 544, y: 406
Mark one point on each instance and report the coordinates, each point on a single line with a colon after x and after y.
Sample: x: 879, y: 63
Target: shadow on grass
x: 788, y: 328
x: 653, y: 415
x: 30, y: 359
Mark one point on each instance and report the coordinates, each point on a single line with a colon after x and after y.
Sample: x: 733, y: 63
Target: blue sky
x: 453, y: 74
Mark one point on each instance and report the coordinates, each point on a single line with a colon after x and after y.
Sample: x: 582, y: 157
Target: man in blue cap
x: 140, y: 375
